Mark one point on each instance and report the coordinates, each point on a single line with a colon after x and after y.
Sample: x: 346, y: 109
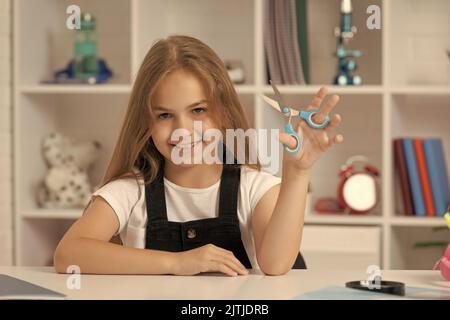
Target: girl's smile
x: 187, y: 146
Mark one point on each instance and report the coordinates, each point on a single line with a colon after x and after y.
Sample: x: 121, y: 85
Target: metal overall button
x: 191, y: 233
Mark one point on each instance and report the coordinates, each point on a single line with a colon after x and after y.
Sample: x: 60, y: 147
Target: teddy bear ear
x: 53, y: 137
x: 46, y: 142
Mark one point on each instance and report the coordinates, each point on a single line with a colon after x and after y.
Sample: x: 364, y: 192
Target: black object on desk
x: 388, y: 287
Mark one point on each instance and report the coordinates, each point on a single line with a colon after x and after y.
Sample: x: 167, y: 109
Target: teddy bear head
x: 58, y: 151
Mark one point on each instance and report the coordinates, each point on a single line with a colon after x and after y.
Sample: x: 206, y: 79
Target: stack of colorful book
x: 422, y: 175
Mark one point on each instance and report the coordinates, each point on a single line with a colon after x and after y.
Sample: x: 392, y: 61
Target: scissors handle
x: 290, y: 131
x: 308, y: 115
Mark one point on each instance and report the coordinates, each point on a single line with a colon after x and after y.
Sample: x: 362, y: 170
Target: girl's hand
x: 208, y: 258
x: 314, y: 141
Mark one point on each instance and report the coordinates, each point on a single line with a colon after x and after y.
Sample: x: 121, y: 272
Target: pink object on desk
x: 444, y: 264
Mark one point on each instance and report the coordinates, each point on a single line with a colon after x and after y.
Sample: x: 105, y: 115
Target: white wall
x: 5, y: 134
x: 420, y: 42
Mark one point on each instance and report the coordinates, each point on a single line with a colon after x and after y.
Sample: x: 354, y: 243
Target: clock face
x: 359, y: 192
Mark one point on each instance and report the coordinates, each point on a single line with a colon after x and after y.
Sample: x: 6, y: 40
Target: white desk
x: 212, y: 286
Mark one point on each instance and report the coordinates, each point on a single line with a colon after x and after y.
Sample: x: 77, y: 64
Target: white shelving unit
x: 391, y: 103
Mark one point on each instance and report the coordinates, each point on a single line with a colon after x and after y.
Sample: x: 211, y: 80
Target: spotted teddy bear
x: 66, y: 184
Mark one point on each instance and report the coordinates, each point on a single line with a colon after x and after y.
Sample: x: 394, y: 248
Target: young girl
x: 184, y: 219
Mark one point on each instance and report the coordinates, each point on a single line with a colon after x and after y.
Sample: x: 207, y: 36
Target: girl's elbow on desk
x: 271, y: 268
x: 66, y: 256
x: 60, y: 263
x: 275, y: 270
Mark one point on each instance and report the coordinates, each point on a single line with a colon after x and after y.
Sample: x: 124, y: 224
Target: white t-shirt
x: 127, y: 198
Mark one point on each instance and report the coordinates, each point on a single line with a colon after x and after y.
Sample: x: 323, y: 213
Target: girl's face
x: 179, y: 100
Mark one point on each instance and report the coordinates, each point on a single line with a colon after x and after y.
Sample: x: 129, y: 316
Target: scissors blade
x: 278, y: 95
x: 272, y: 102
x: 276, y: 105
x: 280, y: 99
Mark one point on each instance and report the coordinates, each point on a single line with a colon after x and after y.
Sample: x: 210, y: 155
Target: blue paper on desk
x: 343, y: 293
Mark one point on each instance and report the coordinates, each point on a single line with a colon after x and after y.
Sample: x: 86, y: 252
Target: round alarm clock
x: 358, y: 190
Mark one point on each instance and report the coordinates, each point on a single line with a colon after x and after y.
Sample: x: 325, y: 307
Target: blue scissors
x: 288, y: 112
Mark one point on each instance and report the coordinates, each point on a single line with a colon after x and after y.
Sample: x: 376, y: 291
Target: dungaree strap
x: 229, y: 185
x: 229, y: 190
x: 155, y: 199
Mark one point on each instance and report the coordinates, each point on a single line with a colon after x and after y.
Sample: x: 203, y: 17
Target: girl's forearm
x: 100, y: 257
x: 282, y: 237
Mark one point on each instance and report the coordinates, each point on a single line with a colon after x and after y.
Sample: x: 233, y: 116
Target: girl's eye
x: 199, y: 110
x: 163, y: 116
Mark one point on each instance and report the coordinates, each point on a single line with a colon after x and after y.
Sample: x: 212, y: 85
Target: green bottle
x: 85, y: 66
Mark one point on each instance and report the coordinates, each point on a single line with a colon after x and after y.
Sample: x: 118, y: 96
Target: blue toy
x: 288, y: 112
x: 346, y: 61
x: 67, y: 75
x: 85, y: 67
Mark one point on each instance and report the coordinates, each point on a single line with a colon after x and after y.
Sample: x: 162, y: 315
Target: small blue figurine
x: 85, y: 67
x: 346, y: 61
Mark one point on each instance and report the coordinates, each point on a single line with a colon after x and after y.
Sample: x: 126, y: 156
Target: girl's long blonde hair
x: 134, y: 147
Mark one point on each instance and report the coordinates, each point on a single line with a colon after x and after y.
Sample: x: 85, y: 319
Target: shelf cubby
x: 47, y: 45
x: 323, y: 16
x: 405, y: 254
x: 418, y: 115
x: 226, y: 26
x: 418, y: 40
